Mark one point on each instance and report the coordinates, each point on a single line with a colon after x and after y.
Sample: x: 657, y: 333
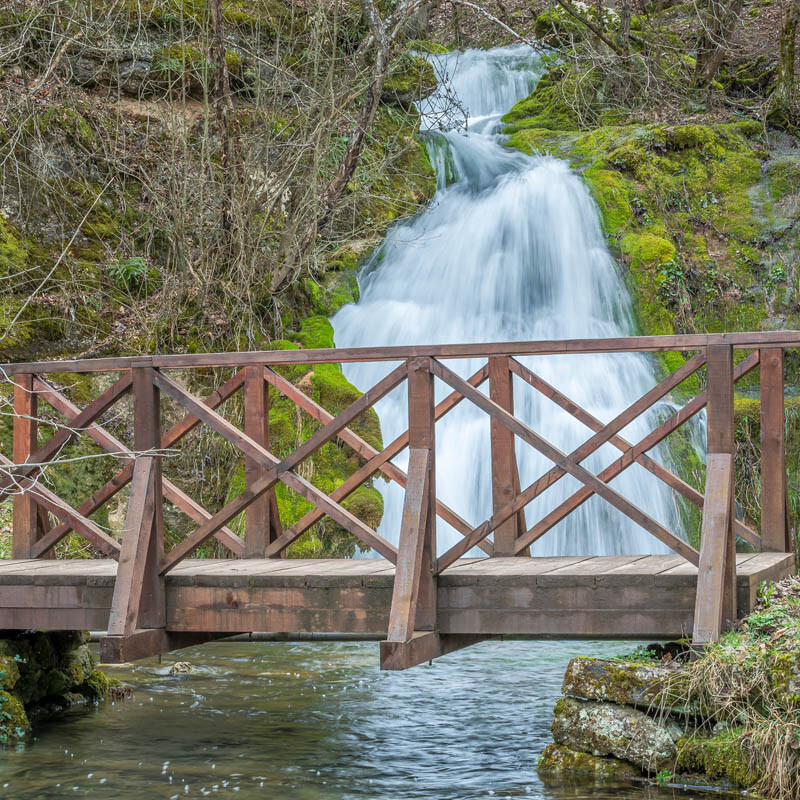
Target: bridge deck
x: 607, y: 596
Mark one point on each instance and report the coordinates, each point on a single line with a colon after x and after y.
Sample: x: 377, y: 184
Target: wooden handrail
x: 623, y: 344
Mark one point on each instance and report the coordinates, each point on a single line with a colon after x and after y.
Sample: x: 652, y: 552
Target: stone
x: 557, y: 760
x: 604, y: 729
x: 623, y: 682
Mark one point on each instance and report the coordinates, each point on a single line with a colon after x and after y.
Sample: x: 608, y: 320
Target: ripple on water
x: 315, y: 720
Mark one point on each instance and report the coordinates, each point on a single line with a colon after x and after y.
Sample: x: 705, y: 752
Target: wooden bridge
x: 424, y: 602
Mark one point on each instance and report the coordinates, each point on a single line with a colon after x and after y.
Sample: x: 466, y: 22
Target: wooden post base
x: 146, y: 642
x: 424, y: 646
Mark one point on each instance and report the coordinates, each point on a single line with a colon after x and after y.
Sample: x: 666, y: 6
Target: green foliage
x: 128, y: 273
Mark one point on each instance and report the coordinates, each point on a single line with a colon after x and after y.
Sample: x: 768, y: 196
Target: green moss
x: 546, y: 107
x: 410, y: 79
x: 14, y: 723
x: 424, y: 46
x: 557, y: 760
x: 720, y: 757
x: 97, y: 686
x: 558, y: 27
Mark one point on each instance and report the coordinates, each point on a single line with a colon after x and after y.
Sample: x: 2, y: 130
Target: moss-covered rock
x: 411, y: 78
x: 720, y: 758
x: 560, y: 762
x: 622, y: 682
x: 605, y: 729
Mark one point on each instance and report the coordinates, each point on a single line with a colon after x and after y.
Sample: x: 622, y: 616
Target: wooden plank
x: 504, y: 459
x: 422, y: 436
x: 136, y: 545
x: 422, y: 647
x: 719, y: 416
x: 625, y: 344
x: 774, y: 530
x: 714, y: 582
x: 591, y: 422
x: 410, y: 567
x: 25, y: 517
x: 147, y: 642
x: 566, y: 464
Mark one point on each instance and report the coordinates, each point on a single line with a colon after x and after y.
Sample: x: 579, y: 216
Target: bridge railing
x: 143, y: 561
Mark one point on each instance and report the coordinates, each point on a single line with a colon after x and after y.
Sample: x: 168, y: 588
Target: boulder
x: 625, y: 733
x: 557, y: 760
x: 623, y: 682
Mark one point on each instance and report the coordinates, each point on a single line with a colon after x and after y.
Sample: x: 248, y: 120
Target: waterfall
x: 509, y: 249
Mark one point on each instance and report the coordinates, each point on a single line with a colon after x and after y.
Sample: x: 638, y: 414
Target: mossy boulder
x: 614, y: 681
x: 557, y: 27
x: 411, y: 78
x: 558, y: 761
x: 605, y: 729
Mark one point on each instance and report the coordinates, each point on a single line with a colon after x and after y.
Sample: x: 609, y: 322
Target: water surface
x: 315, y: 721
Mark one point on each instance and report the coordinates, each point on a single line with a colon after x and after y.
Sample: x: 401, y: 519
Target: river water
x: 315, y: 721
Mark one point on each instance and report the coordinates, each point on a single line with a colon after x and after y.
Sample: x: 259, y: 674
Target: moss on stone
x: 558, y: 761
x: 718, y: 758
x: 97, y: 685
x: 410, y: 78
x: 14, y: 723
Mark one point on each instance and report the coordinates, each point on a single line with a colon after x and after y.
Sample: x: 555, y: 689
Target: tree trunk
x: 782, y: 102
x: 718, y: 22
x: 624, y: 25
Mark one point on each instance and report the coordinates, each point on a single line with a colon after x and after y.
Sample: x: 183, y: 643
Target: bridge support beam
x: 413, y: 608
x: 424, y: 646
x: 715, y: 601
x: 775, y: 529
x: 139, y: 599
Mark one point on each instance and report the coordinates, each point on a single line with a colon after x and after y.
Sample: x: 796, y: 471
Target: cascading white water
x: 509, y: 249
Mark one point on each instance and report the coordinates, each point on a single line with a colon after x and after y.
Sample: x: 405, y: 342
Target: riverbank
x: 730, y: 718
x: 43, y: 674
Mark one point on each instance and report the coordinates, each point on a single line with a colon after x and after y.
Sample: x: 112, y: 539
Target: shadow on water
x: 315, y: 720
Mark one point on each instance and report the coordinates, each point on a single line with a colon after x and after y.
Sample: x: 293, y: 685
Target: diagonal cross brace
x: 660, y: 433
x: 280, y: 470
x: 112, y: 445
x: 622, y: 444
x: 564, y: 465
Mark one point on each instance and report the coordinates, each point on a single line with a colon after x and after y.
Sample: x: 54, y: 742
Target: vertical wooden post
x: 774, y: 530
x: 139, y: 597
x: 422, y: 436
x: 25, y: 513
x: 412, y: 635
x: 505, y: 477
x: 715, y: 603
x: 256, y: 426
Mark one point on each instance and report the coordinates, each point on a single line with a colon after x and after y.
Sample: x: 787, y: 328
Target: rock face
x: 623, y: 682
x: 42, y: 673
x: 605, y: 729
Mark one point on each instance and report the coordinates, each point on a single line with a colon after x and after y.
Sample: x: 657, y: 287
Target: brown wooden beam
x: 624, y: 344
x: 505, y: 480
x: 715, y: 601
x: 25, y: 517
x: 139, y: 591
x: 258, y: 525
x: 424, y: 646
x: 774, y: 528
x: 147, y: 642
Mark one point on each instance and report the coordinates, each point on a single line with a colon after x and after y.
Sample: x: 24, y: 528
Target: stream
x: 315, y: 721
